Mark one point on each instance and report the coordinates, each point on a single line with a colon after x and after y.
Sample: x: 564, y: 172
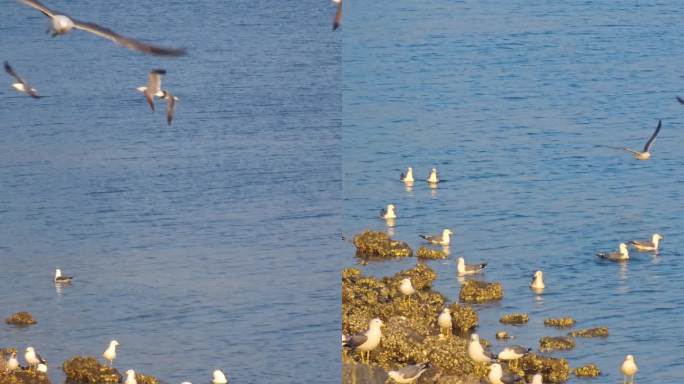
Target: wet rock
x: 502, y: 335
x: 353, y: 373
x: 515, y: 319
x: 428, y: 253
x: 561, y: 322
x: 21, y: 318
x: 378, y: 244
x: 24, y: 376
x: 474, y: 291
x: 589, y: 370
x: 590, y: 332
x: 560, y: 343
x: 553, y: 370
x: 463, y: 318
x: 88, y: 370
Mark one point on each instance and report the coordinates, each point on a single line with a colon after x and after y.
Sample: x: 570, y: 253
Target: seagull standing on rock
x: 444, y: 321
x: 406, y: 288
x: 537, y: 379
x: 477, y: 352
x: 497, y: 376
x: 12, y: 363
x: 110, y: 353
x: 33, y: 358
x: 367, y: 341
x: 409, y: 373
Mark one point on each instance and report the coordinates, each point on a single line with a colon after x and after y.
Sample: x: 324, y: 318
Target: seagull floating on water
x: 433, y: 178
x: 497, y: 376
x: 61, y: 24
x: 409, y: 373
x: 219, y: 377
x: 538, y: 281
x: 12, y: 362
x: 389, y: 212
x: 645, y: 154
x: 130, y: 377
x: 33, y: 358
x: 110, y: 353
x: 477, y: 352
x: 444, y: 321
x: 645, y: 245
x: 443, y: 239
x: 621, y: 255
x: 464, y: 269
x: 21, y: 85
x: 367, y: 341
x: 408, y: 176
x: 338, y: 16
x: 513, y: 352
x: 629, y: 368
x: 59, y: 278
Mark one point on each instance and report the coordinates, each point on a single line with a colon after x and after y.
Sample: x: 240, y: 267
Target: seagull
x: 338, y: 16
x: 408, y: 176
x: 645, y: 154
x: 537, y: 379
x: 476, y: 352
x: 367, y: 341
x: 409, y: 373
x: 42, y: 368
x: 621, y: 255
x: 61, y: 24
x: 443, y: 239
x: 21, y: 85
x: 389, y: 212
x: 444, y: 321
x: 153, y: 88
x: 497, y: 376
x: 433, y: 178
x: 538, y: 281
x: 32, y: 358
x: 513, y: 352
x: 464, y: 269
x: 629, y: 368
x: 62, y: 279
x: 219, y: 377
x: 170, y: 105
x: 130, y: 377
x: 406, y: 288
x: 110, y: 353
x: 645, y: 245
x: 12, y: 362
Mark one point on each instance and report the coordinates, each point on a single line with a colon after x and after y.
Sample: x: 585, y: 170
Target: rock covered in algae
x: 379, y: 244
x: 589, y: 370
x: 514, y: 319
x: 560, y: 343
x: 560, y: 322
x: 21, y: 318
x: 502, y: 335
x: 429, y: 253
x: 590, y: 332
x: 145, y: 379
x: 24, y: 376
x: 421, y: 277
x: 474, y: 291
x: 553, y: 370
x: 463, y: 318
x: 88, y: 370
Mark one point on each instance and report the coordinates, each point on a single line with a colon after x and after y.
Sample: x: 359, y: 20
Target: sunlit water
x: 204, y: 245
x: 509, y: 100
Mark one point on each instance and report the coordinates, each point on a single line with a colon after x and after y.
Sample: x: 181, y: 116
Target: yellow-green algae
x: 514, y: 319
x: 474, y: 291
x: 463, y: 318
x: 560, y: 322
x: 24, y: 376
x: 560, y: 343
x: 553, y: 370
x: 590, y: 332
x: 429, y: 253
x: 589, y: 370
x: 502, y: 335
x: 145, y: 379
x: 379, y: 244
x: 21, y: 318
x: 86, y: 369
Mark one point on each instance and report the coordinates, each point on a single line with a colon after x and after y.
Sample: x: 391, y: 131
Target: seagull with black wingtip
x: 645, y: 154
x: 409, y: 373
x: 338, y: 16
x: 21, y: 85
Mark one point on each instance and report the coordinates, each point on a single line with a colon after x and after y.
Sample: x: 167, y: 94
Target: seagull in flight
x: 338, y: 16
x: 62, y: 24
x: 21, y: 85
x: 645, y: 154
x: 153, y: 88
x: 170, y: 105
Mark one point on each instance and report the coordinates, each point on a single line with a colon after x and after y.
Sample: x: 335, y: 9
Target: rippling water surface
x: 509, y: 100
x: 190, y: 244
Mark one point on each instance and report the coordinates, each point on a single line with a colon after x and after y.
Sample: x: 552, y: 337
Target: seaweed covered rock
x: 474, y: 291
x: 21, y: 318
x: 514, y: 319
x: 421, y: 277
x: 429, y: 253
x: 24, y: 376
x: 463, y: 318
x: 503, y: 335
x: 560, y: 343
x: 560, y: 322
x: 145, y: 379
x: 553, y: 370
x: 88, y: 370
x: 590, y: 332
x: 379, y: 244
x: 589, y: 370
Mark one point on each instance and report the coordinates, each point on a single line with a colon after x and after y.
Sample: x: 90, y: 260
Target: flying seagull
x: 464, y: 269
x: 443, y: 239
x: 338, y: 16
x: 61, y: 24
x: 170, y: 105
x: 645, y: 245
x: 59, y: 278
x: 153, y: 88
x: 645, y: 154
x: 621, y: 255
x: 21, y: 85
x: 409, y: 373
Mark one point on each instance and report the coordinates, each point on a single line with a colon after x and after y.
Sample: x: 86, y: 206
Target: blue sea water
x: 210, y: 244
x: 515, y: 102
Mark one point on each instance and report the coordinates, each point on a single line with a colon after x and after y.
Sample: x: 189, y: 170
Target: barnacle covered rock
x: 589, y: 370
x: 590, y: 332
x: 145, y: 379
x: 560, y: 322
x: 502, y: 335
x: 88, y: 370
x: 421, y: 277
x: 379, y: 244
x: 559, y: 343
x: 514, y: 319
x: 21, y: 318
x: 474, y: 291
x: 24, y: 376
x: 429, y: 253
x: 463, y: 318
x: 553, y: 370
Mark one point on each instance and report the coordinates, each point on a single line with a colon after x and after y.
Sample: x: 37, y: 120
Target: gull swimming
x: 538, y: 281
x: 645, y: 245
x: 497, y: 376
x: 61, y: 24
x: 629, y: 368
x: 219, y: 377
x: 59, y: 278
x: 389, y: 212
x: 537, y: 379
x: 338, y: 16
x: 444, y: 321
x: 443, y: 239
x: 42, y: 368
x: 513, y: 352
x: 21, y: 85
x: 408, y: 176
x: 153, y: 88
x: 406, y: 288
x: 12, y: 362
x: 621, y: 255
x: 464, y: 269
x: 477, y: 352
x: 130, y: 377
x: 409, y: 373
x: 367, y: 341
x: 33, y: 358
x: 110, y: 353
x: 433, y: 178
x: 645, y: 154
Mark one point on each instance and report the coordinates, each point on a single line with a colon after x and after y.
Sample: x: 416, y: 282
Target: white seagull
x: 130, y: 377
x: 12, y: 362
x: 629, y: 368
x: 61, y: 24
x: 464, y: 269
x: 42, y: 368
x: 621, y: 255
x: 645, y: 154
x: 406, y: 288
x: 409, y: 373
x: 153, y: 87
x: 367, y: 341
x: 443, y: 239
x: 513, y: 352
x: 110, y: 353
x: 444, y: 321
x: 497, y: 376
x: 433, y: 178
x: 538, y: 280
x: 33, y: 358
x: 537, y: 379
x: 59, y: 278
x: 476, y: 352
x: 219, y: 377
x: 21, y: 85
x: 408, y: 176
x: 645, y: 245
x: 338, y: 16
x: 389, y: 212
x: 170, y: 105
